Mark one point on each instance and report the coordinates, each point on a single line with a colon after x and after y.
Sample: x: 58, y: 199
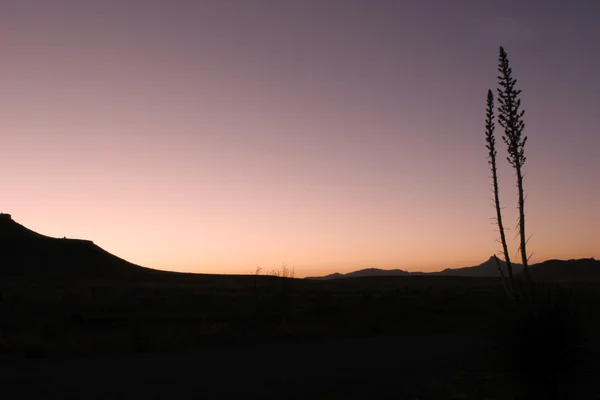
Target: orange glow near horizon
x: 220, y: 138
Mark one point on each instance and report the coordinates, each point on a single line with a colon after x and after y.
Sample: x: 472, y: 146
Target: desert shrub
x: 540, y: 342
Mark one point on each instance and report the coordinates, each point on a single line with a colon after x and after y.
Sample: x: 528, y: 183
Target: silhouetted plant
x: 285, y: 298
x: 256, y: 292
x: 256, y: 276
x: 539, y: 331
x: 510, y: 117
x: 281, y: 298
x: 284, y: 272
x: 492, y: 152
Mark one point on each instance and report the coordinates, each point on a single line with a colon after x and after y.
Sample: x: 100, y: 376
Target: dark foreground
x: 402, y: 338
x: 435, y: 367
x: 409, y: 367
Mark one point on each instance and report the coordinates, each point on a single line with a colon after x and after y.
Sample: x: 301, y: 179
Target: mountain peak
x: 5, y: 217
x: 493, y: 259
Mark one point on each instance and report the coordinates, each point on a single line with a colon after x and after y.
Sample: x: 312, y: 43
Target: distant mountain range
x: 486, y: 269
x: 581, y: 269
x: 25, y: 254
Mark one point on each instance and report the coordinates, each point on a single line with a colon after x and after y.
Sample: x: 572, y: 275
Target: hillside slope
x: 572, y: 270
x: 487, y: 269
x: 28, y: 254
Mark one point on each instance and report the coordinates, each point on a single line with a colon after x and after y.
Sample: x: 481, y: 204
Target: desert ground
x: 355, y: 368
x: 417, y: 337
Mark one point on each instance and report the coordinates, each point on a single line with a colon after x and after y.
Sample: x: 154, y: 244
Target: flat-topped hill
x: 28, y: 254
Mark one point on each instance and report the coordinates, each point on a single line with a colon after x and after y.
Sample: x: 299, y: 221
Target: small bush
x: 540, y: 340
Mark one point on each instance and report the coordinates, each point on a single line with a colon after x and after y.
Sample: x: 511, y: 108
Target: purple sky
x: 218, y: 135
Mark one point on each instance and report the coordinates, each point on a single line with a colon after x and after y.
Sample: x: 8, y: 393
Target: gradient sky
x: 331, y: 135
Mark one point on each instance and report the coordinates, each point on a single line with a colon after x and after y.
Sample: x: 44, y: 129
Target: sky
x: 216, y: 136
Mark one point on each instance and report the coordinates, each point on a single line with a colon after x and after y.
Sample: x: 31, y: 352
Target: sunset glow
x: 218, y: 136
